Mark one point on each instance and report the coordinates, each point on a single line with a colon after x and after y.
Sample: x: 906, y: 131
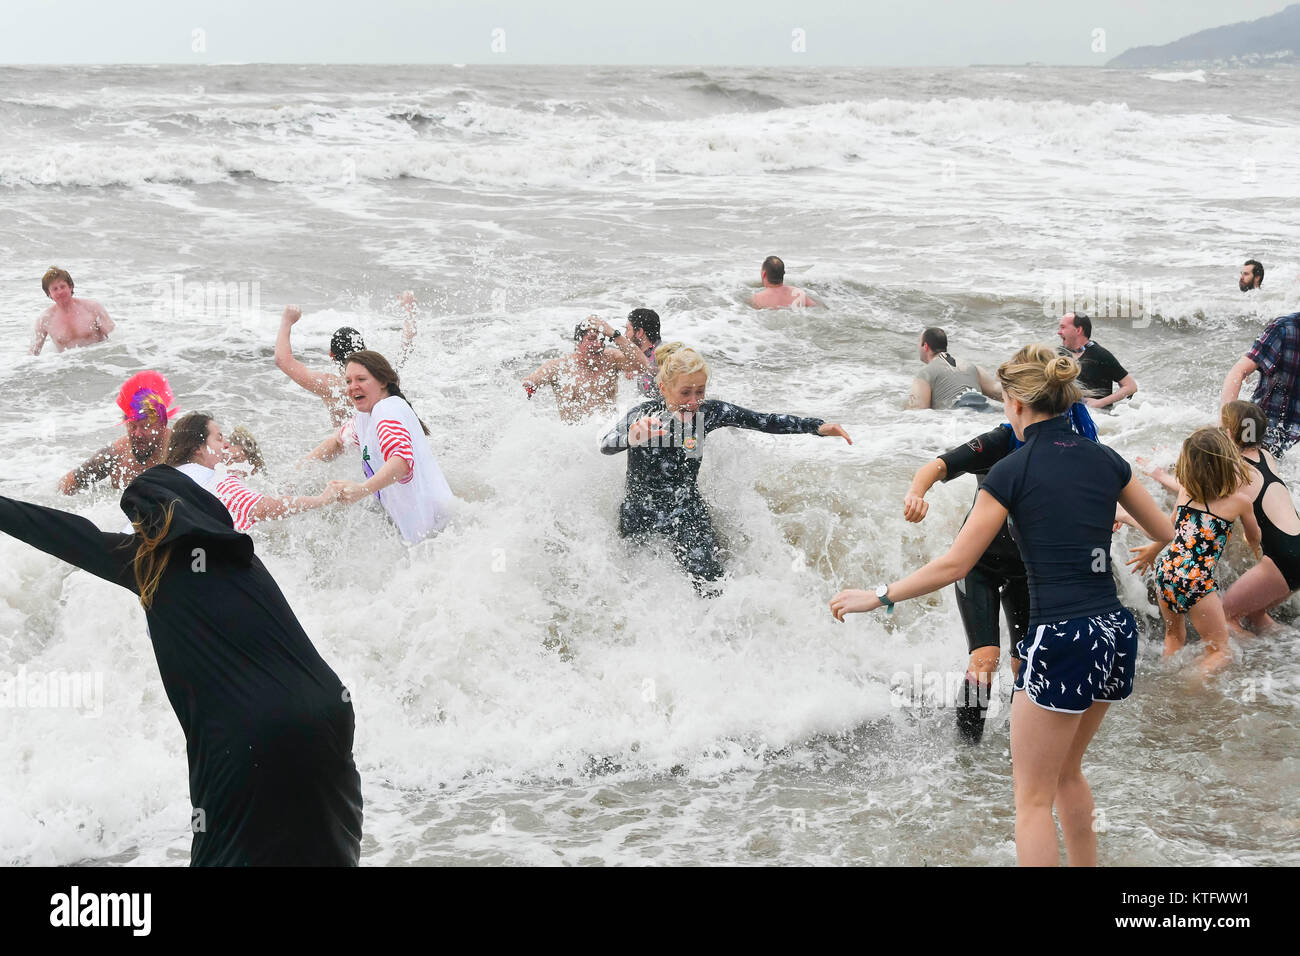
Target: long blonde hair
x: 150, y: 563
x: 1041, y: 378
x: 1210, y: 466
x: 677, y: 358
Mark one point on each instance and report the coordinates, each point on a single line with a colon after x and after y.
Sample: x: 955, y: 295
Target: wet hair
x: 344, y: 342
x: 189, y: 434
x: 1083, y: 323
x: 244, y: 439
x: 582, y: 328
x: 383, y: 373
x: 1244, y: 423
x: 1041, y: 378
x: 647, y: 321
x: 148, y: 564
x: 676, y: 359
x: 935, y: 339
x: 53, y: 274
x: 774, y: 269
x: 1257, y: 269
x: 1210, y: 466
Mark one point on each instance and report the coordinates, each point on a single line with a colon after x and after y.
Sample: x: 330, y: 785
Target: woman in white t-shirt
x: 399, y: 465
x: 197, y: 446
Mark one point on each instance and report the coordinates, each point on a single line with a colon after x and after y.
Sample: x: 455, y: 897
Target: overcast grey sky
x: 707, y: 32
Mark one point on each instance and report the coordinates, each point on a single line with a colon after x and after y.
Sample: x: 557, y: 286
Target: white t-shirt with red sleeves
x: 421, y: 502
x: 229, y: 489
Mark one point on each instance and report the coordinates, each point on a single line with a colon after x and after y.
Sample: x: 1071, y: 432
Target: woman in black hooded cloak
x: 268, y: 725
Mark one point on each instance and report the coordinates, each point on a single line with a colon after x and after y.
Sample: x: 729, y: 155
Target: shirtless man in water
x: 776, y: 294
x: 329, y: 386
x: 144, y: 401
x: 587, y: 380
x: 70, y: 322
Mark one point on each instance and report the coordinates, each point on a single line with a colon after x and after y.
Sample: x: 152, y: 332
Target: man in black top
x: 1099, y: 369
x: 1252, y: 275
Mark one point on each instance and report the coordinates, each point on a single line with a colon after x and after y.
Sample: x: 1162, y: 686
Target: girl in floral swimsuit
x: 1213, y: 475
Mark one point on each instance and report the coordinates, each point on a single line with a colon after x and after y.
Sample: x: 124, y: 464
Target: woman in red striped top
x: 398, y: 463
x: 197, y: 445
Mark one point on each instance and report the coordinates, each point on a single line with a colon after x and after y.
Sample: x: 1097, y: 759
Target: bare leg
x: 1175, y: 630
x: 1252, y: 594
x: 1207, y: 618
x: 1040, y: 744
x: 1073, y: 795
x: 983, y: 664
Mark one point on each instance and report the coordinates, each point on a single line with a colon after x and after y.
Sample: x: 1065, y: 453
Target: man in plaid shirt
x: 1276, y: 356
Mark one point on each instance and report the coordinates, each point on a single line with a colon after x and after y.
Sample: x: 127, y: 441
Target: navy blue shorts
x: 1068, y: 665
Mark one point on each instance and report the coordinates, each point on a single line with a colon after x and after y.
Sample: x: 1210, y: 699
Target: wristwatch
x: 882, y: 593
x: 617, y: 334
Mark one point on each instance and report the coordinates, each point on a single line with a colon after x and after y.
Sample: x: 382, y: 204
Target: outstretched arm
x: 407, y: 301
x: 327, y: 450
x: 70, y: 538
x: 545, y: 375
x: 1160, y: 476
x: 985, y: 521
x: 95, y: 468
x: 724, y: 415
x: 323, y: 384
x: 270, y: 507
x: 1137, y: 501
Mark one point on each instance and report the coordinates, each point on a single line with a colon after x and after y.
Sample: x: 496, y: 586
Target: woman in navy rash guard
x: 1059, y: 491
x: 664, y: 440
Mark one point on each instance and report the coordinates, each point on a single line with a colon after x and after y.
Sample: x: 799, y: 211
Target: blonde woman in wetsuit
x: 664, y: 440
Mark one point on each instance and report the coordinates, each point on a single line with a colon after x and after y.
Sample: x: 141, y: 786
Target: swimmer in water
x: 586, y: 381
x: 268, y: 725
x: 69, y: 322
x: 664, y: 440
x: 946, y: 382
x: 144, y: 400
x: 329, y: 386
x: 395, y: 455
x: 1082, y: 645
x: 197, y: 446
x: 643, y: 330
x: 775, y: 294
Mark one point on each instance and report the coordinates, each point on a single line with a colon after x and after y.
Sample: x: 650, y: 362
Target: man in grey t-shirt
x: 946, y: 382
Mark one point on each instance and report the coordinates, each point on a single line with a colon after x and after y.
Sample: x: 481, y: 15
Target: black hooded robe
x: 268, y: 725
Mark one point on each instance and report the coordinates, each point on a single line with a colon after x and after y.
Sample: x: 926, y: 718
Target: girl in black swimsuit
x: 1274, y: 579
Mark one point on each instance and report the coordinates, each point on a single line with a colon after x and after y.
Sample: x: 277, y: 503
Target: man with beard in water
x: 268, y: 725
x: 1252, y: 275
x: 587, y: 380
x: 664, y: 441
x: 145, y: 401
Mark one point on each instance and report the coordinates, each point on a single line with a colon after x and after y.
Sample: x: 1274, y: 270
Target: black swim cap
x: 344, y: 342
